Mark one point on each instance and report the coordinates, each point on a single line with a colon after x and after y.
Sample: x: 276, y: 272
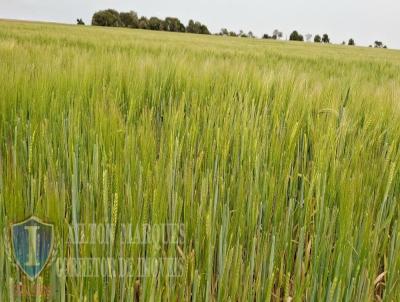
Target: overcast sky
x: 363, y: 20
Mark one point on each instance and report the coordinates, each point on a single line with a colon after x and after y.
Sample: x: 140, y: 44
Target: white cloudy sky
x: 363, y: 20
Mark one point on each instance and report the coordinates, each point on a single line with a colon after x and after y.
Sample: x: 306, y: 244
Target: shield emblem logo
x: 32, y: 244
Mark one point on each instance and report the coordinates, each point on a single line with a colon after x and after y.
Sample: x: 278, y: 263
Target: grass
x: 280, y: 159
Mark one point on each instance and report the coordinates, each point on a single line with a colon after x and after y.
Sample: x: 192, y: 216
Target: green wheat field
x: 279, y: 160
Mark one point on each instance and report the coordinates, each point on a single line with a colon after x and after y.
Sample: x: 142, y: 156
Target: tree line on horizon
x: 113, y: 18
x: 295, y: 36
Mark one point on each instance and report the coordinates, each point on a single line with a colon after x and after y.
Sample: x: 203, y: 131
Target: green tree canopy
x: 108, y: 17
x: 129, y: 19
x: 295, y: 36
x: 325, y: 38
x: 174, y: 25
x: 197, y: 28
x: 155, y: 24
x: 143, y: 23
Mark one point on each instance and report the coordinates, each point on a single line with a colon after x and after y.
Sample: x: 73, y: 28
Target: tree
x: 277, y: 34
x: 378, y: 44
x: 224, y: 32
x: 325, y: 38
x: 242, y: 34
x: 108, y: 17
x: 129, y: 19
x: 204, y: 30
x: 266, y: 36
x: 232, y: 34
x: 143, y: 23
x: 308, y: 37
x: 173, y: 24
x: 250, y: 34
x: 197, y: 28
x: 80, y: 22
x: 295, y: 36
x: 351, y: 42
x: 190, y: 28
x: 317, y: 39
x: 182, y: 28
x: 155, y: 24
